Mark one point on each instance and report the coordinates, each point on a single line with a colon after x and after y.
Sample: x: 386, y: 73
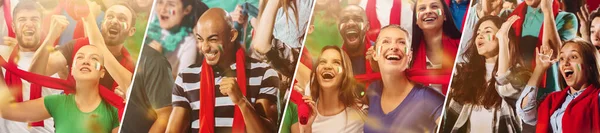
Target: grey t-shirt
x: 151, y: 90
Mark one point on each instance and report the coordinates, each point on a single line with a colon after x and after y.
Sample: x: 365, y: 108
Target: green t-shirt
x: 290, y: 117
x: 69, y: 119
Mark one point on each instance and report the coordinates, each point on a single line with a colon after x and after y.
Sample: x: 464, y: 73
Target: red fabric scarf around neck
x: 207, y: 95
x: 581, y: 115
x: 14, y: 81
x: 419, y: 72
x: 521, y: 11
x: 66, y: 85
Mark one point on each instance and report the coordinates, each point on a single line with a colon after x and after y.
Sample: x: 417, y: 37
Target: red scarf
x: 207, y: 95
x: 66, y: 85
x: 520, y: 11
x: 374, y: 24
x: 303, y: 109
x: 419, y: 72
x: 8, y: 18
x: 125, y: 61
x: 581, y: 115
x: 14, y: 82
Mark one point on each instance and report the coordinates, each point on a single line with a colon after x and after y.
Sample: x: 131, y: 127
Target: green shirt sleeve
x: 290, y: 117
x: 115, y: 121
x: 50, y: 103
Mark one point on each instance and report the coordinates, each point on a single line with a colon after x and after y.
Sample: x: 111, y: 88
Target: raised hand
x: 503, y: 32
x: 308, y: 126
x: 544, y: 57
x: 9, y: 41
x: 583, y: 16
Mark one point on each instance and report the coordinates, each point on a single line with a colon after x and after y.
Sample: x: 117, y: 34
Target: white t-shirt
x: 481, y: 119
x: 347, y: 121
x: 384, y: 8
x: 7, y: 126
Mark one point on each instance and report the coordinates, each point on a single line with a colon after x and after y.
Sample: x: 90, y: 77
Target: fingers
x: 10, y: 41
x: 299, y: 89
x: 227, y: 85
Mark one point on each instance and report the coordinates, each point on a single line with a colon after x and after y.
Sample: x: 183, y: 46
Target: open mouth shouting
x: 328, y: 75
x: 211, y: 55
x: 569, y: 73
x: 114, y: 30
x: 352, y: 35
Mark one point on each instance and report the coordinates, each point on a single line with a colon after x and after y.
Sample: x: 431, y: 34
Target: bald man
x: 216, y: 40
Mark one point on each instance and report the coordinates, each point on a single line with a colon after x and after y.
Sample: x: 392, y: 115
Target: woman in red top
x: 576, y: 108
x: 436, y: 40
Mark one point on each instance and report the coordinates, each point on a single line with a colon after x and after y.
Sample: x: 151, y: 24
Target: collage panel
x: 375, y: 66
x: 67, y: 64
x: 527, y: 66
x: 216, y: 66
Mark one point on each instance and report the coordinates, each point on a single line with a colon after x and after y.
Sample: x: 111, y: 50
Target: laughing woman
x: 82, y: 112
x: 485, y: 88
x: 574, y: 109
x: 336, y: 107
x: 435, y: 40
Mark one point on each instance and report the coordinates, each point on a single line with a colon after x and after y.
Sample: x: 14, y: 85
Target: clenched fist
x: 229, y: 87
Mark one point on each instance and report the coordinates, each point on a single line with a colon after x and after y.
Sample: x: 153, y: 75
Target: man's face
x: 595, y: 32
x: 214, y: 40
x: 353, y: 26
x: 27, y: 25
x: 392, y: 50
x: 117, y: 26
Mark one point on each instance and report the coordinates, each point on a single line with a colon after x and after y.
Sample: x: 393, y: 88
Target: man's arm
x: 179, y: 120
x: 162, y: 119
x: 550, y: 37
x: 40, y: 62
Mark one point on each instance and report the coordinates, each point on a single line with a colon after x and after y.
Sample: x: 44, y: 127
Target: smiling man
x: 228, y: 91
x: 353, y: 25
x: 424, y: 104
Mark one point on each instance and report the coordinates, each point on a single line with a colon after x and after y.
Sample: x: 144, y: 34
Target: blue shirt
x: 556, y: 118
x: 417, y: 113
x: 358, y: 65
x: 458, y: 12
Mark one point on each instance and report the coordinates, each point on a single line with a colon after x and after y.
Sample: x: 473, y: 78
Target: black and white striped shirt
x: 263, y: 83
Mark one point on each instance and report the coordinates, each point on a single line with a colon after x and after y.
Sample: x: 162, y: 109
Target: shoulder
x: 428, y: 94
x: 192, y: 71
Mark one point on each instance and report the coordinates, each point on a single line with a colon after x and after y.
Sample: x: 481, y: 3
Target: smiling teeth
x: 210, y: 55
x: 395, y: 57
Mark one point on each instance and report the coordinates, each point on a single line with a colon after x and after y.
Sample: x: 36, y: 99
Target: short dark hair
x: 594, y: 14
x: 27, y: 5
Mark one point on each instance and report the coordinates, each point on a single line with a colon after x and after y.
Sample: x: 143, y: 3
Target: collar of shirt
x: 574, y: 95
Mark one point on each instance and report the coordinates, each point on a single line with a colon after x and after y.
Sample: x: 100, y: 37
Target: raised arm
x: 119, y: 73
x: 262, y: 38
x: 28, y: 111
x: 527, y: 102
x: 40, y: 63
x: 502, y: 35
x: 550, y: 37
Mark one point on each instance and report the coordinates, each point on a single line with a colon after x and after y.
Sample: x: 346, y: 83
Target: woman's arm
x: 262, y: 38
x: 28, y: 111
x: 527, y: 102
x: 119, y: 73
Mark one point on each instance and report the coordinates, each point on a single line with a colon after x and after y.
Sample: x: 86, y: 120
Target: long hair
x: 469, y: 84
x: 590, y: 59
x: 449, y: 28
x: 348, y: 87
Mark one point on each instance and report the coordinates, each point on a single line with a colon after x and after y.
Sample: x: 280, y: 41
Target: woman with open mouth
x: 335, y: 105
x: 171, y: 28
x: 87, y: 109
x: 486, y: 86
x: 435, y: 40
x: 574, y: 109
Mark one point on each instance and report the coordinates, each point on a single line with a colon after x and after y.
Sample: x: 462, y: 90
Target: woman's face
x: 329, y: 69
x: 430, y: 14
x: 170, y: 13
x: 572, y: 66
x: 485, y: 41
x: 595, y: 32
x: 87, y: 64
